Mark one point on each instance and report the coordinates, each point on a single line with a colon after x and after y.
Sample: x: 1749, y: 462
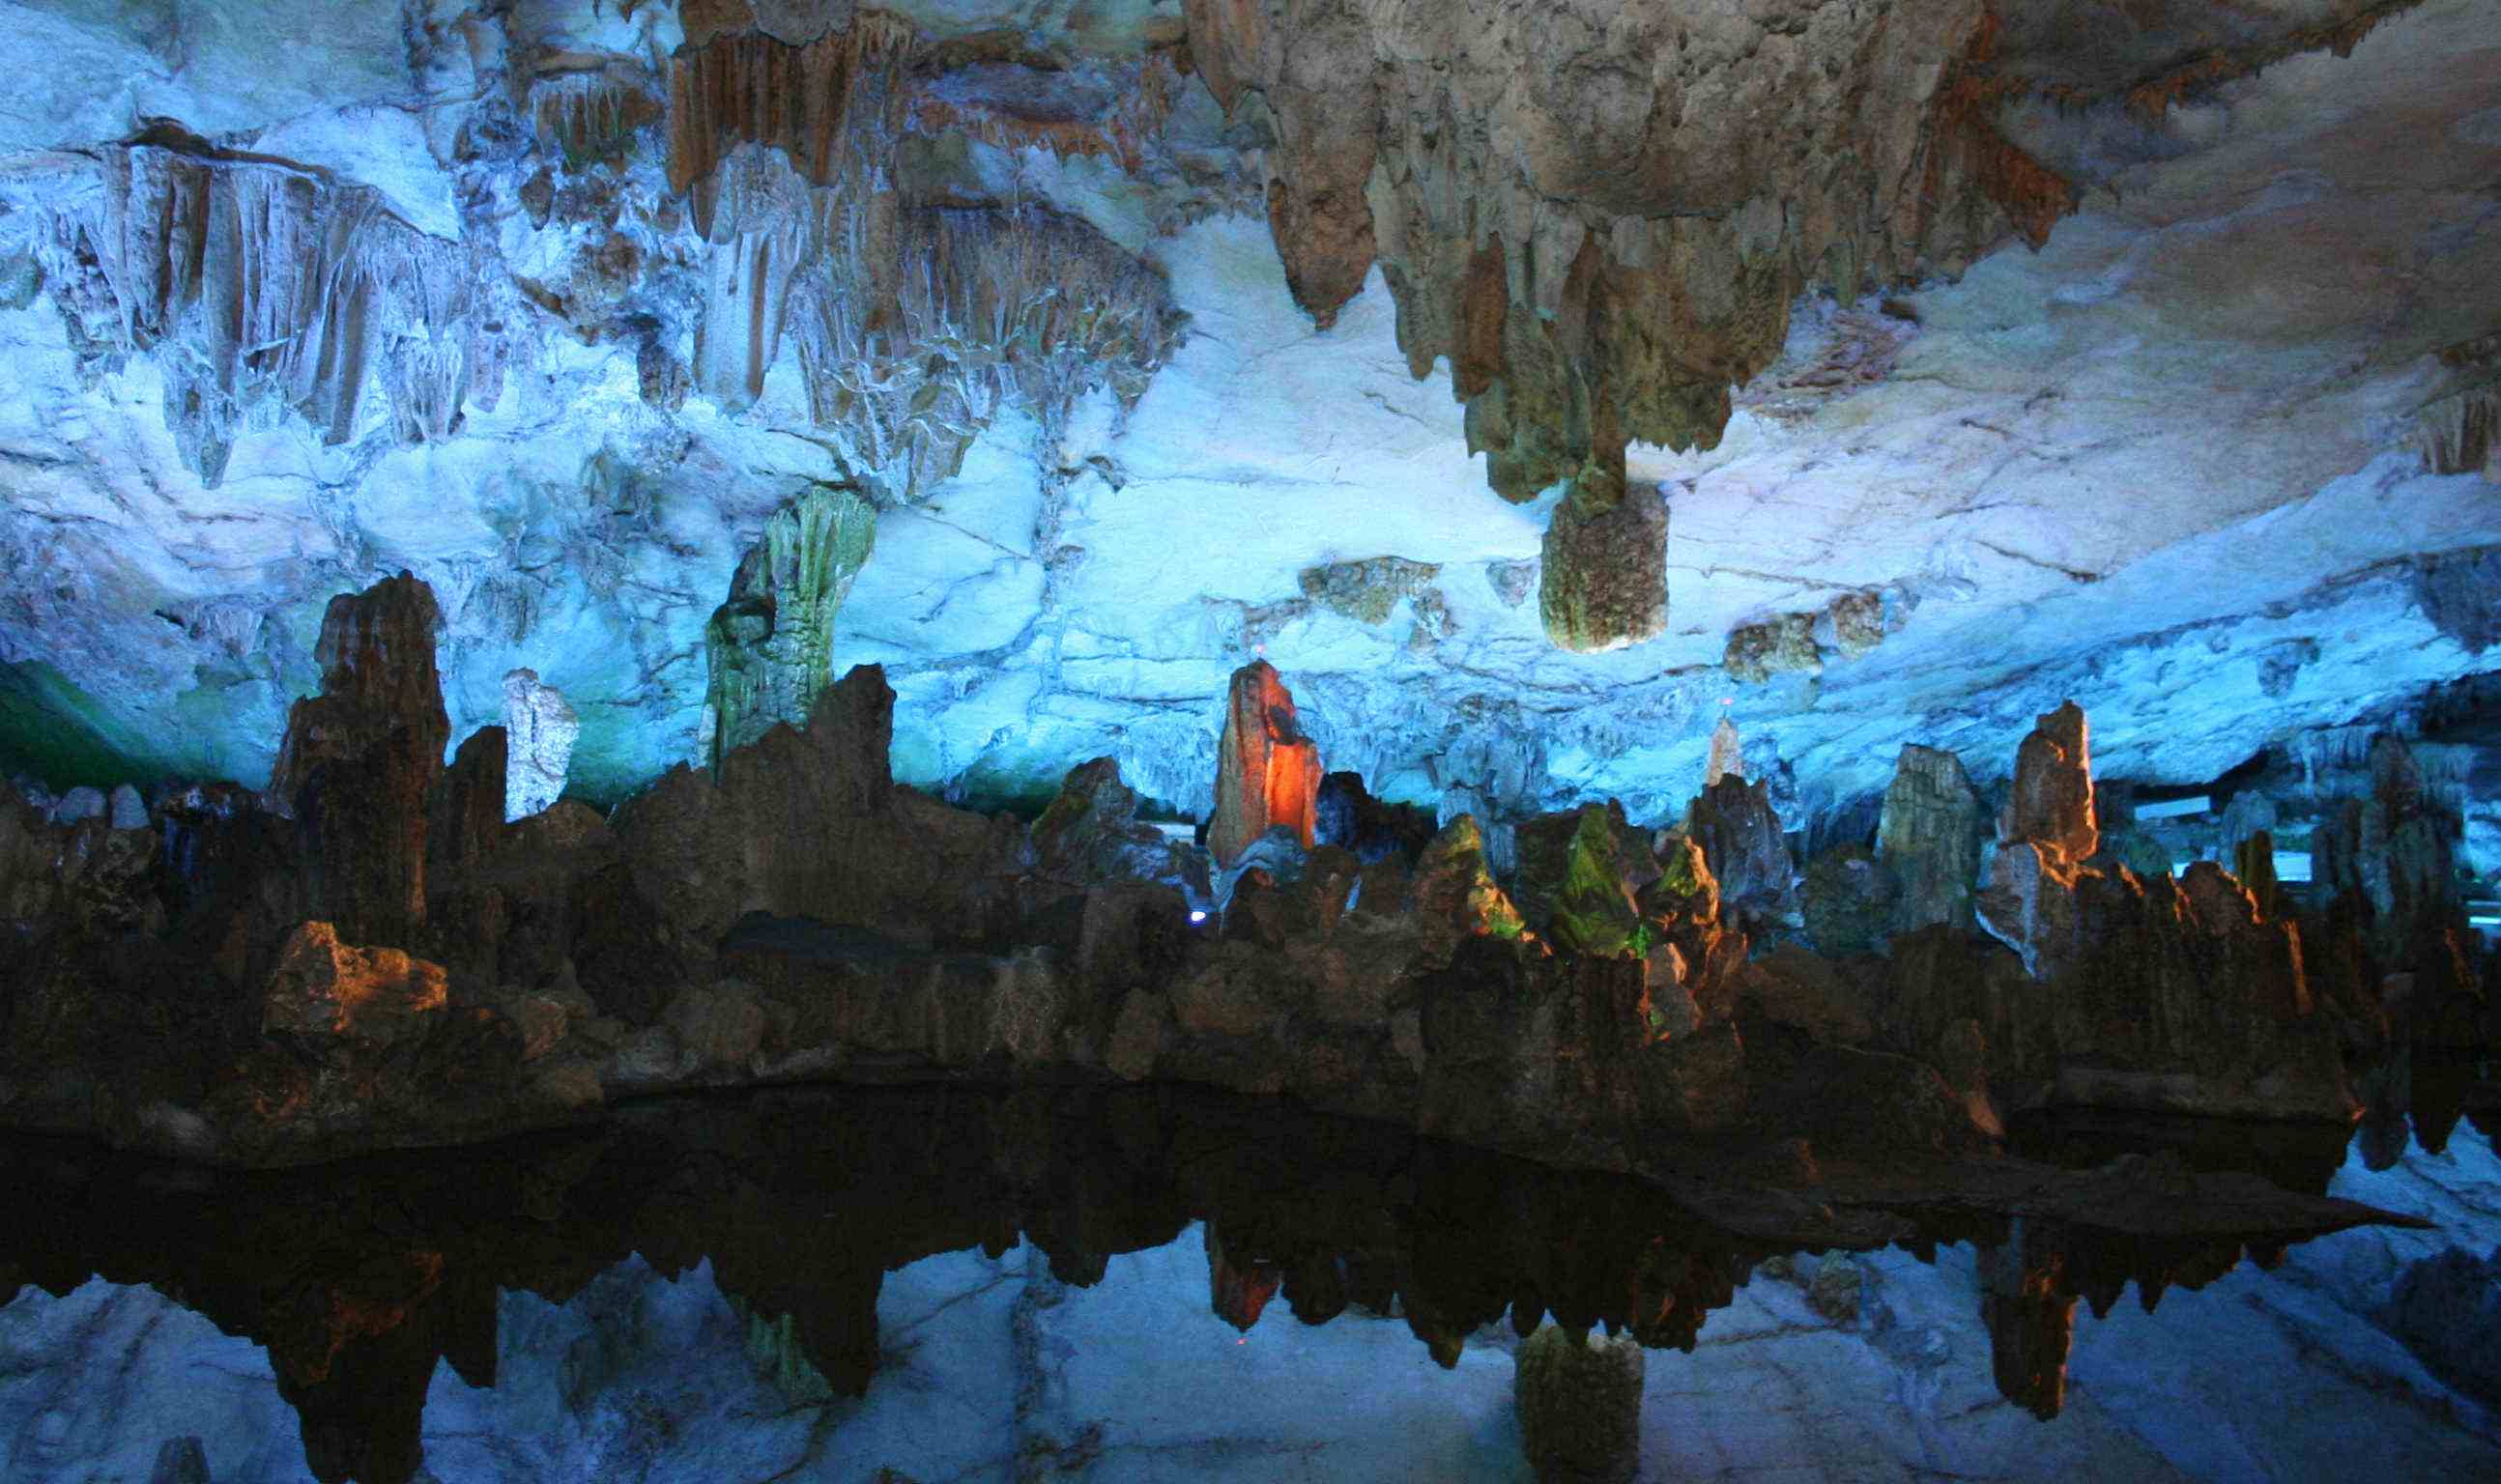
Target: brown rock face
x: 360, y: 761
x: 325, y: 987
x: 1600, y: 213
x: 2053, y: 799
x: 1604, y: 566
x: 809, y: 823
x: 1930, y: 840
x: 1268, y: 773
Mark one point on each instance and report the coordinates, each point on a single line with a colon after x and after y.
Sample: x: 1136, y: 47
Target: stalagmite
x: 540, y: 727
x: 771, y: 646
x: 1268, y: 773
x: 1727, y: 753
x: 1929, y: 838
x: 359, y: 760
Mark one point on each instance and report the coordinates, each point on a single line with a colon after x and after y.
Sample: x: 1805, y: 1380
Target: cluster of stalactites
x: 257, y: 285
x: 914, y: 325
x: 1601, y: 237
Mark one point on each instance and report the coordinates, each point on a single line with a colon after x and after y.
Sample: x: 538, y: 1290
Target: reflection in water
x: 359, y: 1279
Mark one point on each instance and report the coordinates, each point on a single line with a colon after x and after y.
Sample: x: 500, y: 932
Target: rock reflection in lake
x: 1150, y: 1284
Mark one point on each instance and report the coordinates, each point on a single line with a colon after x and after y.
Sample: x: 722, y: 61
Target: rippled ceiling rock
x: 1531, y: 385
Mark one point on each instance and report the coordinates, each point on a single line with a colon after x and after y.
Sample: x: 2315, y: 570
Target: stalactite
x: 914, y: 325
x: 251, y: 282
x: 586, y: 117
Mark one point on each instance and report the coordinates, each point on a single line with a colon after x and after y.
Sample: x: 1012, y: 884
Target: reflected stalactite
x: 1238, y: 1286
x: 2031, y: 1324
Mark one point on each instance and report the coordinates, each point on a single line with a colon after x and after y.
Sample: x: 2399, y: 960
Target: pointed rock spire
x: 1268, y: 773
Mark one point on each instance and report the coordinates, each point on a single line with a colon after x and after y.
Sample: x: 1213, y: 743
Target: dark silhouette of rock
x: 2031, y: 1322
x: 1348, y: 815
x: 361, y: 760
x: 1851, y: 901
x: 1091, y: 832
x: 809, y: 823
x: 2446, y: 1308
x: 1579, y: 1398
x: 1739, y: 834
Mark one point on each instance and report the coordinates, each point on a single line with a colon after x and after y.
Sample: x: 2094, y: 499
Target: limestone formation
x: 2032, y: 1322
x: 2044, y: 833
x: 1561, y: 278
x: 1365, y: 591
x: 1727, y: 754
x: 1604, y: 569
x: 1851, y: 901
x: 2393, y: 850
x: 1578, y: 1397
x: 1348, y: 815
x: 1092, y: 833
x: 250, y: 280
x: 1268, y: 773
x: 771, y: 646
x: 1739, y: 834
x: 325, y: 987
x: 540, y: 727
x: 2052, y: 799
x: 1584, y: 901
x: 360, y: 759
x: 1929, y: 838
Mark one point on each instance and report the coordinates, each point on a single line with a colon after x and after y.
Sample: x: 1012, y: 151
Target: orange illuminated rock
x: 1268, y: 772
x: 325, y: 987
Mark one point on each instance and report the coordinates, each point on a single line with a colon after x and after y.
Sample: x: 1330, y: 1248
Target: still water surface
x: 932, y: 1285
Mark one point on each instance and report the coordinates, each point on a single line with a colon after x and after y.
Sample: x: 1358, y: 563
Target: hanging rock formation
x: 1610, y: 276
x: 1605, y: 567
x: 771, y: 646
x: 540, y: 728
x: 253, y: 281
x: 361, y: 758
x: 1268, y: 773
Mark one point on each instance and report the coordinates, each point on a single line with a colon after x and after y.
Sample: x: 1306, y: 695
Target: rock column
x: 1268, y: 773
x: 1929, y: 838
x: 361, y: 758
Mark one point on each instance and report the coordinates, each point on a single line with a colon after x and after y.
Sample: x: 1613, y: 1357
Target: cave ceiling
x: 1532, y: 385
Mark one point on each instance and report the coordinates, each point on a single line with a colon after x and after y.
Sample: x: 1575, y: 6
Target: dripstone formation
x: 396, y: 964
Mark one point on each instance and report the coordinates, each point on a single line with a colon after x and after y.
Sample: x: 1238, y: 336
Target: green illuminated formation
x: 771, y: 646
x: 1593, y: 913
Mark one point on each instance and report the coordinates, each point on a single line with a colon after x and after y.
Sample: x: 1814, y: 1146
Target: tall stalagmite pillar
x: 361, y: 758
x: 1268, y: 773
